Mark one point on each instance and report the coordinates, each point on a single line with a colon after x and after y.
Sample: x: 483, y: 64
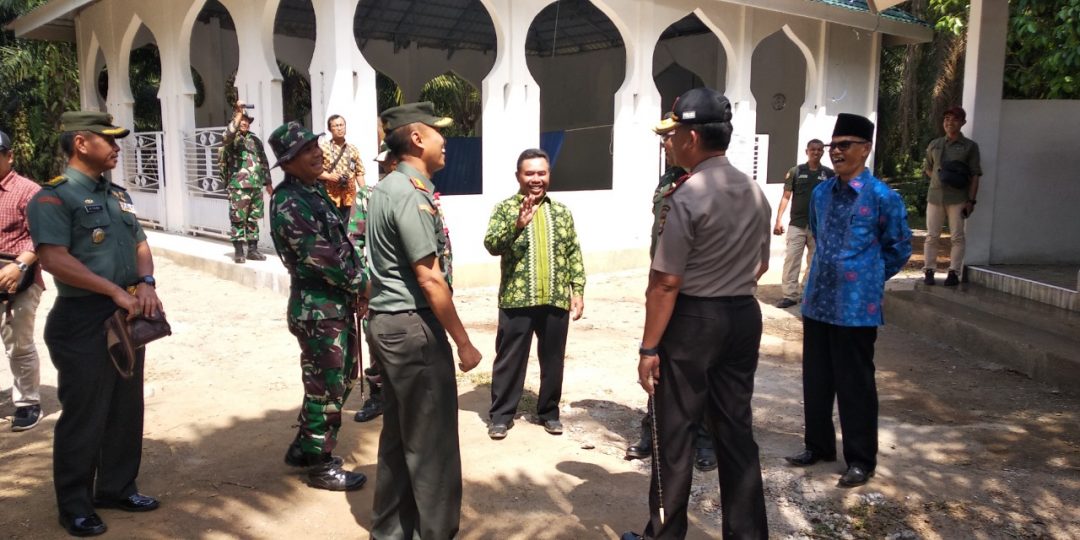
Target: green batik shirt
x: 243, y: 160
x: 310, y: 236
x: 541, y: 264
x: 95, y: 220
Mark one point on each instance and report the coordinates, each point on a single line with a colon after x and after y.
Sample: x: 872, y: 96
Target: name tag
x: 127, y: 207
x: 93, y: 208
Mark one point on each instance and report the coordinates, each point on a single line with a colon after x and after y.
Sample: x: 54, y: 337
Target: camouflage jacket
x: 358, y: 223
x: 311, y: 238
x: 243, y: 160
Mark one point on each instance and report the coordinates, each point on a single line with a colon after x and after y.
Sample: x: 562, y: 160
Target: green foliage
x: 38, y: 82
x: 296, y: 91
x: 388, y: 94
x: 1043, y: 58
x: 455, y: 97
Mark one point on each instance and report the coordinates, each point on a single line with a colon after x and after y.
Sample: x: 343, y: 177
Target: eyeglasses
x: 843, y: 146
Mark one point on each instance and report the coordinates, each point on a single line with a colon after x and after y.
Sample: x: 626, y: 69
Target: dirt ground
x: 968, y: 449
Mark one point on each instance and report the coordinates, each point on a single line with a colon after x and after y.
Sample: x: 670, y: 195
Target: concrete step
x: 1056, y: 285
x: 1036, y: 339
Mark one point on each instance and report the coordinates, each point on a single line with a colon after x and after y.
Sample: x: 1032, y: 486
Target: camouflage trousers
x: 329, y: 368
x: 245, y: 211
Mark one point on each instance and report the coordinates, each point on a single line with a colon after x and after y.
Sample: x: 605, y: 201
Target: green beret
x: 92, y: 121
x: 423, y: 112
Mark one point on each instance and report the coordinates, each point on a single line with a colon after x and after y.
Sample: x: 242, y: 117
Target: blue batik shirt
x: 862, y: 239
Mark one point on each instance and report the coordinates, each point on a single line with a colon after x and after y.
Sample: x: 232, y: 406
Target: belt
x: 716, y: 299
x: 400, y: 312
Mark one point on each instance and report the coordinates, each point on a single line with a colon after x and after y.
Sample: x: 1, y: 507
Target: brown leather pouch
x: 124, y: 338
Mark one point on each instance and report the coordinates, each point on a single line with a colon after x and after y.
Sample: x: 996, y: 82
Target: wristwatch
x: 149, y: 280
x: 21, y: 266
x: 642, y: 351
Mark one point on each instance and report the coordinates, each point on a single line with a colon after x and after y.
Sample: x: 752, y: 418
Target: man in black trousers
x: 699, y: 349
x: 87, y: 237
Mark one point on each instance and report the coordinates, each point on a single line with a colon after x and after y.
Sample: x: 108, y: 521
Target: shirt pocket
x: 89, y: 223
x: 801, y: 186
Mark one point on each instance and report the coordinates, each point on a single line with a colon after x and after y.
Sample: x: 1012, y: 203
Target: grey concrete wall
x: 1035, y: 218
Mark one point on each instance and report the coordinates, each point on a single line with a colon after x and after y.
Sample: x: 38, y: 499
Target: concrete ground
x: 968, y: 449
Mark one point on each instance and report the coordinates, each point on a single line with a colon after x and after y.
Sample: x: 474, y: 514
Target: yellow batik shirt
x: 349, y: 166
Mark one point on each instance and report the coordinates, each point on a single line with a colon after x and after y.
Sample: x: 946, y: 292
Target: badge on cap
x: 98, y: 235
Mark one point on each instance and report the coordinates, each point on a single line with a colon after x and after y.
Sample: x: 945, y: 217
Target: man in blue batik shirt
x: 863, y: 239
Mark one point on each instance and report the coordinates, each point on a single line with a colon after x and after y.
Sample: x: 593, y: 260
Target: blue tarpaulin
x: 463, y: 174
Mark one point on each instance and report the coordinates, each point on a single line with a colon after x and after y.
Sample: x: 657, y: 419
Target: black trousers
x: 512, y: 344
x: 98, y: 439
x: 708, y: 357
x: 418, y: 478
x: 838, y: 363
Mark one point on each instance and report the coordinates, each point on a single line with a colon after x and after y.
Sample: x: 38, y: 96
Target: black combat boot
x: 643, y: 448
x: 329, y: 475
x: 238, y: 254
x: 253, y: 251
x: 373, y: 406
x: 295, y: 456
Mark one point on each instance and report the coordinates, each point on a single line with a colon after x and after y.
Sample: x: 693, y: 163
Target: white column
x: 258, y: 80
x: 511, y: 98
x: 983, y: 72
x: 177, y: 96
x: 336, y: 71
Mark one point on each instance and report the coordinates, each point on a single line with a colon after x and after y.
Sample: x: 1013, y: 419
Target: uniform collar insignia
x: 418, y: 184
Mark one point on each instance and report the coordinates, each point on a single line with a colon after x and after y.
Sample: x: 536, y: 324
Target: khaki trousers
x: 797, y: 239
x: 935, y: 219
x: 17, y: 332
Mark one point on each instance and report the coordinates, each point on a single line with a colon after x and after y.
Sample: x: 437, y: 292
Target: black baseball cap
x: 696, y: 106
x: 5, y: 142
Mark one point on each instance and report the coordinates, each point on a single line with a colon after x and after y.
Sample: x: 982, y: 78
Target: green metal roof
x: 893, y: 13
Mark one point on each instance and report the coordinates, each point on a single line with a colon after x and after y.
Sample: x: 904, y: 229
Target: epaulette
x: 675, y: 185
x: 418, y: 184
x: 119, y: 187
x: 56, y: 181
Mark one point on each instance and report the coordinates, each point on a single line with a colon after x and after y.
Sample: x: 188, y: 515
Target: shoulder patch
x: 675, y: 185
x: 56, y: 181
x: 49, y: 199
x: 119, y: 187
x: 418, y: 184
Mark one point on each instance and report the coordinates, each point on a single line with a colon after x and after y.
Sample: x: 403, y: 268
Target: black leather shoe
x: 83, y: 525
x: 497, y: 432
x: 332, y: 477
x: 705, y: 459
x: 808, y: 457
x: 855, y: 476
x: 370, y: 410
x: 928, y: 277
x: 786, y: 303
x: 553, y: 427
x: 134, y: 503
x: 952, y: 279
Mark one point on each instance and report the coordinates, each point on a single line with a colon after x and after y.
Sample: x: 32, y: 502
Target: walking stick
x: 656, y: 456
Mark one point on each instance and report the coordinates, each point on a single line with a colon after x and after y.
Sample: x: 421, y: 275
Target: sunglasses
x: 843, y: 146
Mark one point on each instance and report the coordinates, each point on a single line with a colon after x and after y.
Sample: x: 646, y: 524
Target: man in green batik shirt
x: 328, y: 285
x: 245, y: 172
x: 541, y: 287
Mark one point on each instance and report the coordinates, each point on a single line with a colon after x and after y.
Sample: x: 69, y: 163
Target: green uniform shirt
x: 404, y: 225
x: 243, y: 160
x: 941, y: 150
x: 541, y: 265
x: 667, y: 182
x: 95, y: 220
x: 801, y: 181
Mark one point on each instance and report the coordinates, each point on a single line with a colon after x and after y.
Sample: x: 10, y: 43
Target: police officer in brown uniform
x: 699, y: 349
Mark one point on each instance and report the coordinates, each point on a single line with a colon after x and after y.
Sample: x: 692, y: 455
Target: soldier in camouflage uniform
x: 372, y: 407
x: 245, y: 172
x: 328, y: 283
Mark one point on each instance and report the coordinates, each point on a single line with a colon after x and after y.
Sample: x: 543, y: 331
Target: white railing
x: 143, y: 160
x: 205, y: 193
